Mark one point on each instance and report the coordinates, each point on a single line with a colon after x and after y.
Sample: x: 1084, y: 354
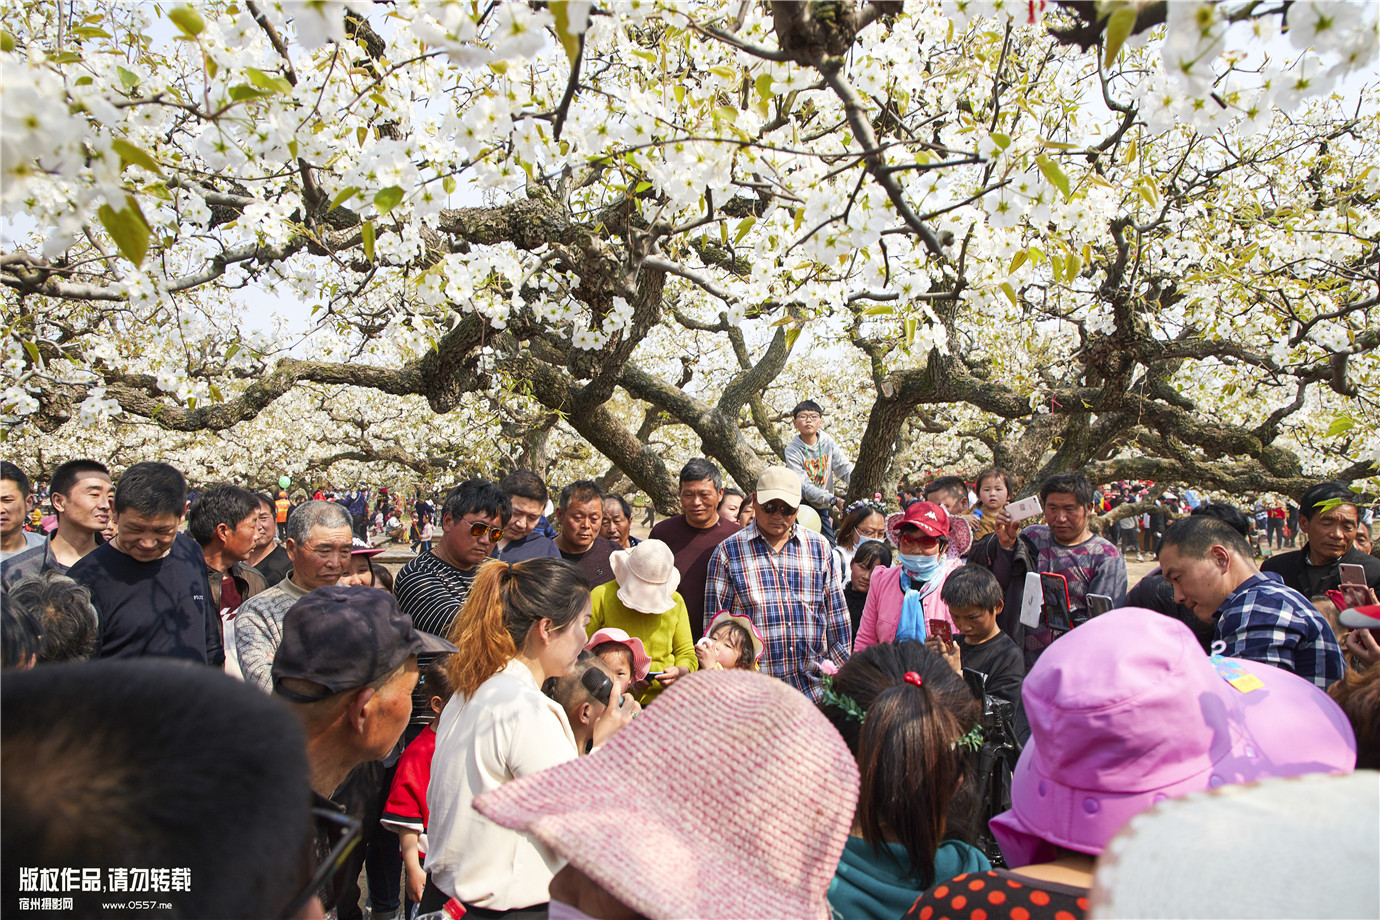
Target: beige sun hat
x: 647, y: 576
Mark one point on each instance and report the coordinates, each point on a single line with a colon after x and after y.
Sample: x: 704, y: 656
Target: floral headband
x: 972, y: 741
x: 875, y: 503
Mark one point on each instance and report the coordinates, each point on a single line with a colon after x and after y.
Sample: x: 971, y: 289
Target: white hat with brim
x: 778, y: 483
x: 647, y: 577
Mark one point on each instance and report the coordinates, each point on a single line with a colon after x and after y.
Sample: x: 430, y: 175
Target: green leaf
x: 32, y: 349
x: 127, y: 79
x: 791, y: 335
x: 233, y: 350
x: 881, y: 309
x: 128, y: 229
x: 1010, y: 292
x: 6, y: 41
x: 268, y: 81
x: 1054, y: 174
x: 727, y: 73
x: 570, y: 40
x: 1017, y: 261
x: 342, y: 196
x: 763, y: 84
x: 130, y: 153
x: 368, y: 232
x: 388, y: 198
x: 1072, y: 266
x: 188, y: 20
x: 243, y: 92
x: 910, y: 327
x: 1340, y: 425
x: 448, y: 183
x: 1119, y: 28
x: 215, y: 392
x: 642, y: 187
x: 1001, y: 140
x: 90, y: 32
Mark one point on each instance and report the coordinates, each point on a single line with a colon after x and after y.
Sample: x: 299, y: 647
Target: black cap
x: 344, y: 638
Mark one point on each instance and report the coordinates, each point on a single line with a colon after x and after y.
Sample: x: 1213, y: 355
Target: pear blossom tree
x: 1139, y: 238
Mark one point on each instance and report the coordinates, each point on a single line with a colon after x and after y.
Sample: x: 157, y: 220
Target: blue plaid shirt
x: 793, y: 597
x: 1262, y: 620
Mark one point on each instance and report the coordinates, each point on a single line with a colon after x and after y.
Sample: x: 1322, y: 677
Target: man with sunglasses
x: 320, y: 537
x: 782, y: 577
x: 432, y: 587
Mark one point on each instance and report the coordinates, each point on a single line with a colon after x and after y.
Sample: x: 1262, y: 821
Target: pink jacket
x: 882, y: 610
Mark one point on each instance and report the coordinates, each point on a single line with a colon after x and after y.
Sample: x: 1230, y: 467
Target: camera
x: 996, y: 761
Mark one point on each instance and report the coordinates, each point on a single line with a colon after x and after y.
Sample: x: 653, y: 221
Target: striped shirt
x: 1265, y: 621
x: 793, y: 597
x: 431, y: 592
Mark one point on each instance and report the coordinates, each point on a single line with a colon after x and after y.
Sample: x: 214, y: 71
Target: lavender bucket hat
x: 1126, y: 711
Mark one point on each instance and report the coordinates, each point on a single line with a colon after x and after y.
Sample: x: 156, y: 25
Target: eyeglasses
x: 343, y: 833
x: 808, y: 417
x: 778, y: 509
x: 914, y: 535
x: 477, y: 529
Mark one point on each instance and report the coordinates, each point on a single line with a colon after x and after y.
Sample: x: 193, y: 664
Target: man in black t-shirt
x: 149, y: 584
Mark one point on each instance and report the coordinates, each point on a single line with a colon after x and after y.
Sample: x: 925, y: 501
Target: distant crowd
x: 776, y: 704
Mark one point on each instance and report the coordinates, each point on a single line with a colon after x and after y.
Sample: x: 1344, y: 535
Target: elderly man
x: 319, y: 540
x: 782, y: 577
x: 347, y: 664
x: 1213, y: 572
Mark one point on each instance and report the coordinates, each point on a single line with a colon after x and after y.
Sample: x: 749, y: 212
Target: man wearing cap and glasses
x: 782, y: 577
x: 347, y: 665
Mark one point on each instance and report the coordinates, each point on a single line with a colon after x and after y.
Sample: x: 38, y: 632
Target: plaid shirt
x: 792, y: 596
x: 1262, y: 620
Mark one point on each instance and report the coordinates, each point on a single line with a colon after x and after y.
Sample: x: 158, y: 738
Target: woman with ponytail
x: 914, y: 728
x: 522, y: 623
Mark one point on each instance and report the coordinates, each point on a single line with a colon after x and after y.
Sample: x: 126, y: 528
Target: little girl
x: 627, y: 660
x: 732, y: 641
x: 995, y: 486
x: 406, y: 811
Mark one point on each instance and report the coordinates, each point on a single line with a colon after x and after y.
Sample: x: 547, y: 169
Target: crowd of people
x: 776, y: 704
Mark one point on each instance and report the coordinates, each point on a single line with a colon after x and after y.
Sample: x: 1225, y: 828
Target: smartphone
x: 1098, y: 604
x: 1353, y: 574
x: 654, y: 675
x: 943, y: 629
x: 1055, y: 588
x: 1025, y: 508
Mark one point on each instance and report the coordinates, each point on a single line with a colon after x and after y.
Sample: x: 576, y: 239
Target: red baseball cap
x: 932, y: 519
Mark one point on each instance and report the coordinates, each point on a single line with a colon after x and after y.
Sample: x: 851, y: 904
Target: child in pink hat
x: 731, y: 642
x: 627, y: 660
x: 1126, y: 711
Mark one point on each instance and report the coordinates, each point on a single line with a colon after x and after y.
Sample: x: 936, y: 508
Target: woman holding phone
x: 903, y: 601
x: 522, y: 623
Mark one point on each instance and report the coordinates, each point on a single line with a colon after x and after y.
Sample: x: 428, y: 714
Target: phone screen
x: 1353, y: 574
x: 1056, y: 601
x: 943, y: 630
x: 1098, y: 604
x: 1355, y: 595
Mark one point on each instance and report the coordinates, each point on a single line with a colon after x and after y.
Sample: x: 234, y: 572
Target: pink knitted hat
x: 747, y: 822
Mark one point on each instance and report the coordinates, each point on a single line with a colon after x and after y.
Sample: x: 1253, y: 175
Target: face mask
x: 921, y: 567
x: 558, y: 910
x: 859, y: 538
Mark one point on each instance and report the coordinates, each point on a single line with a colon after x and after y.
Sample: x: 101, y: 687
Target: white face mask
x: 559, y: 910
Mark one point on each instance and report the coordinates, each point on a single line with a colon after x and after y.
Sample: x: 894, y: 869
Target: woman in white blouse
x: 522, y: 623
